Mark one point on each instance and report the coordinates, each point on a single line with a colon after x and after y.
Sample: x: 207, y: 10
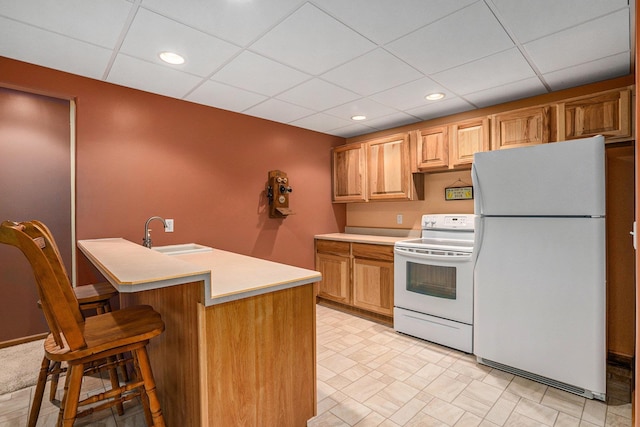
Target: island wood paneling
x: 174, y: 355
x: 261, y: 360
x: 250, y: 362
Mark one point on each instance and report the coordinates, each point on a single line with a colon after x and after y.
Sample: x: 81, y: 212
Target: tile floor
x: 369, y: 375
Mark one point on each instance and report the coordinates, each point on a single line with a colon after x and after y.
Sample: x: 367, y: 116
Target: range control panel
x: 448, y: 222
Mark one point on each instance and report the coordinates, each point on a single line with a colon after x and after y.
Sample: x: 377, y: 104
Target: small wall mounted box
x: 278, y: 190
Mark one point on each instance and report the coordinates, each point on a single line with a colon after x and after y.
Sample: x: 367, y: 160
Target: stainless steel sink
x: 182, y: 249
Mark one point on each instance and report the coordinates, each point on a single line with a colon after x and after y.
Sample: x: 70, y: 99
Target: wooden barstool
x: 83, y: 342
x: 96, y: 297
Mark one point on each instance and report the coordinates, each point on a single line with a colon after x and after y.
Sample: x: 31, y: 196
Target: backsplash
x: 385, y: 214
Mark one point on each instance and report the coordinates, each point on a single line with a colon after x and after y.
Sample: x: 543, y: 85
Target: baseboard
x: 379, y: 318
x: 22, y: 340
x: 621, y: 360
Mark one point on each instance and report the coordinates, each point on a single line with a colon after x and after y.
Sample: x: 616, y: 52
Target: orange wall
x: 140, y: 155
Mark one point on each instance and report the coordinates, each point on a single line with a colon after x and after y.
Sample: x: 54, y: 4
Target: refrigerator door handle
x: 634, y: 235
x: 477, y: 191
x: 477, y: 246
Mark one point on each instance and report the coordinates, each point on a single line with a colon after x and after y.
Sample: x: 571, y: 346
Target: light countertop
x: 361, y: 238
x: 226, y: 276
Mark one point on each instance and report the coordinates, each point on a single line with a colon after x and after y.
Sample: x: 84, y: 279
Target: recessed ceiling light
x: 171, y: 58
x: 358, y: 117
x: 434, y: 96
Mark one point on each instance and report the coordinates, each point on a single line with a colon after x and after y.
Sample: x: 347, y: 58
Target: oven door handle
x: 432, y: 254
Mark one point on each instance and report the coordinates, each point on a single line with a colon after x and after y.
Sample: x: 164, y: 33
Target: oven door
x: 434, y: 282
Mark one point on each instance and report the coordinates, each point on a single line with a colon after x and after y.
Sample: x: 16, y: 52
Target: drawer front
x: 379, y: 252
x: 332, y: 247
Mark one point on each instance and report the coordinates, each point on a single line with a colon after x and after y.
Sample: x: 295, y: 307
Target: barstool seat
x: 95, y: 296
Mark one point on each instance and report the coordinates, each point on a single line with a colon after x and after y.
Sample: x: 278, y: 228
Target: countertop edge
x: 360, y: 238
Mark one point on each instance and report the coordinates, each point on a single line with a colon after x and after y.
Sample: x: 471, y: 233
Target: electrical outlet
x: 399, y: 218
x: 169, y: 227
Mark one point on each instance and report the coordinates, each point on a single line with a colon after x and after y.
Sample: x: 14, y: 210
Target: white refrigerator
x: 539, y: 275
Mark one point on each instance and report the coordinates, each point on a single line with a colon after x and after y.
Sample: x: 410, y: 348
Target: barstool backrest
x: 59, y: 304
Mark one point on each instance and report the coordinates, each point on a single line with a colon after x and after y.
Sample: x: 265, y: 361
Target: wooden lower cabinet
x: 333, y: 261
x: 335, y: 277
x: 373, y: 285
x: 356, y: 275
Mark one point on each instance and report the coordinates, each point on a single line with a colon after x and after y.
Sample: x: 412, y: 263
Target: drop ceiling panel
x: 507, y: 92
x: 383, y: 21
x: 278, y: 111
x: 601, y: 69
x: 317, y: 95
x: 530, y: 20
x: 469, y: 34
x: 352, y: 130
x: 373, y: 72
x: 238, y: 22
x: 321, y: 122
x: 392, y: 120
x: 441, y: 108
x: 31, y: 44
x: 101, y: 23
x: 312, y: 41
x: 259, y: 74
x: 410, y: 95
x: 150, y: 34
x: 224, y: 96
x: 368, y: 107
x: 587, y: 42
x: 138, y: 74
x: 495, y: 70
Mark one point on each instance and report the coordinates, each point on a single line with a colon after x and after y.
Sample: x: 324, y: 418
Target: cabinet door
x: 388, y: 168
x: 373, y: 285
x: 520, y: 128
x: 430, y: 148
x: 349, y: 173
x: 468, y: 138
x: 335, y: 277
x: 607, y: 114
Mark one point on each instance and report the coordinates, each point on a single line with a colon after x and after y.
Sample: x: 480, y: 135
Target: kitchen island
x: 239, y: 346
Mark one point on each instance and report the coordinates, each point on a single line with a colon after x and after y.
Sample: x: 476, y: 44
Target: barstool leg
x: 72, y: 394
x: 115, y: 382
x: 150, y: 386
x: 143, y: 395
x: 37, y: 397
x: 54, y: 370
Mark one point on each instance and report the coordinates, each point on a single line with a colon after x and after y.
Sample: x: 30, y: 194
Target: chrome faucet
x: 147, y: 233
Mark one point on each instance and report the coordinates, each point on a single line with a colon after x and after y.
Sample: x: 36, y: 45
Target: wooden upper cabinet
x: 607, y: 114
x: 520, y: 128
x: 388, y: 174
x: 349, y: 173
x: 430, y: 148
x: 468, y: 138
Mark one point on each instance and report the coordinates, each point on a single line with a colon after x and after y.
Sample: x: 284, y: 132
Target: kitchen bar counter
x: 227, y: 276
x: 239, y: 345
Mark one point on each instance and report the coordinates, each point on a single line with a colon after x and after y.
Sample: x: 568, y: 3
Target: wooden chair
x: 96, y: 297
x: 81, y: 342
